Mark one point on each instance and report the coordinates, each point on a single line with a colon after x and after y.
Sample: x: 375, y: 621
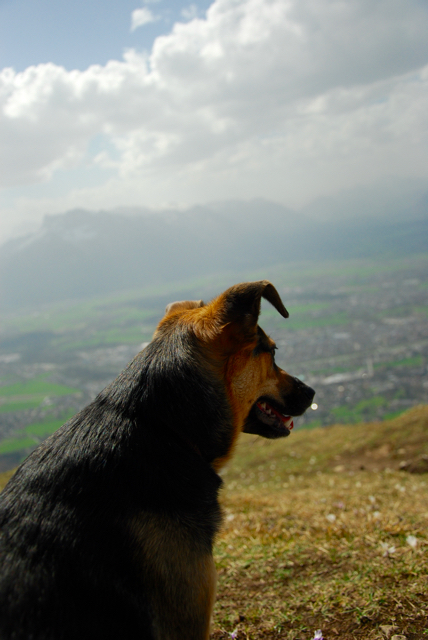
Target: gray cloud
x: 287, y: 98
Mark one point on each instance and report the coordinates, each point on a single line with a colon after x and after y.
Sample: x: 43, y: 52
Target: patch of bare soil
x: 407, y: 459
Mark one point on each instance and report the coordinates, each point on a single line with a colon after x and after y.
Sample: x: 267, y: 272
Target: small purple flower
x: 234, y: 634
x: 318, y: 635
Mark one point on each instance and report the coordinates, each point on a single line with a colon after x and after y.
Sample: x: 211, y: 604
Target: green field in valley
x: 27, y: 438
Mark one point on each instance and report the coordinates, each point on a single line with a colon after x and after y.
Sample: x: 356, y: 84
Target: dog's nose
x: 307, y: 391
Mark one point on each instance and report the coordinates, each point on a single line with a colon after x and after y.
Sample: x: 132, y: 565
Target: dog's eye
x: 272, y: 351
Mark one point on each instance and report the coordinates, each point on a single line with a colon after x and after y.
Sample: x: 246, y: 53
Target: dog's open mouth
x: 270, y: 416
x: 267, y: 420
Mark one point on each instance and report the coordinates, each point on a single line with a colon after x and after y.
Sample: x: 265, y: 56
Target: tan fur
x: 180, y: 305
x: 229, y: 348
x: 247, y: 377
x: 180, y: 576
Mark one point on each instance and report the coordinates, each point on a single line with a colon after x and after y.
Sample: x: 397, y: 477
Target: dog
x: 107, y: 528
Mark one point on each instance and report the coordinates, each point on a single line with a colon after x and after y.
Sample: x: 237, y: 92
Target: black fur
x: 67, y: 556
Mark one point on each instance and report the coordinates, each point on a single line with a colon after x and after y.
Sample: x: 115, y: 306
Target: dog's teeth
x: 289, y: 422
x: 263, y: 405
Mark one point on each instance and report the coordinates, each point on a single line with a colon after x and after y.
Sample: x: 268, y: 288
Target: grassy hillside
x: 324, y: 531
x: 327, y: 530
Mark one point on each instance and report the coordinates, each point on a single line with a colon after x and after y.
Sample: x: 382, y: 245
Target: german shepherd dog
x: 107, y: 528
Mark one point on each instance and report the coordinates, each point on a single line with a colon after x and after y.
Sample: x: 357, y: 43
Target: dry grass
x: 313, y: 541
x: 328, y: 552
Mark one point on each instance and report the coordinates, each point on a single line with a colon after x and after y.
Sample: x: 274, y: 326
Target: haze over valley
x: 357, y: 333
x: 84, y: 253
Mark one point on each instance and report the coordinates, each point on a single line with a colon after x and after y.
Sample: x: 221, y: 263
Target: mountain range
x: 82, y: 253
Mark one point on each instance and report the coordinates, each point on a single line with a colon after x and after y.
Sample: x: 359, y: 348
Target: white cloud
x: 287, y: 99
x: 190, y: 12
x: 140, y: 17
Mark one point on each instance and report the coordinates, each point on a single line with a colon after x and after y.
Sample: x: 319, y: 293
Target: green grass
x: 359, y: 412
x: 402, y: 312
x: 14, y: 445
x: 422, y: 310
x: 371, y: 403
x: 38, y: 386
x: 10, y: 407
x: 44, y: 429
x: 414, y: 361
x: 394, y: 414
x: 28, y: 437
x: 31, y: 393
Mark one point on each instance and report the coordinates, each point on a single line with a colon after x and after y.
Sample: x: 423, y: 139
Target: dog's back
x: 74, y: 516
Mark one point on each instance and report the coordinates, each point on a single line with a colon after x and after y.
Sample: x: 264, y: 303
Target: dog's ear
x: 181, y: 305
x: 238, y: 310
x: 242, y: 302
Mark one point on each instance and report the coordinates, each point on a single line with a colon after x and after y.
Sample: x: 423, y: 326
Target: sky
x: 168, y: 103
